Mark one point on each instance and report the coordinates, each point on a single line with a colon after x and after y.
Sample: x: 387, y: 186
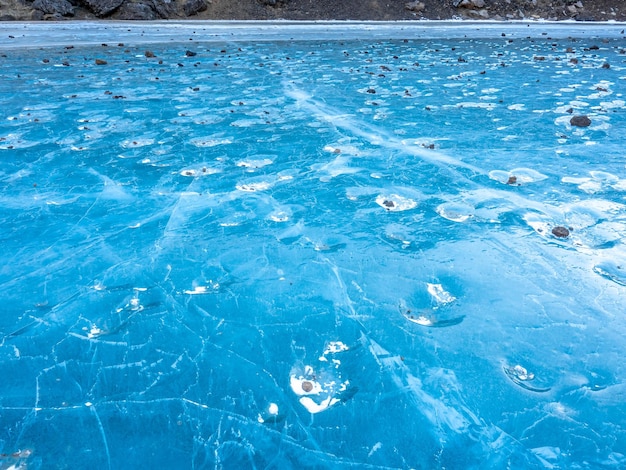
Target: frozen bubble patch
x: 597, y: 181
x: 517, y: 176
x: 255, y: 163
x: 203, y: 289
x: 431, y: 319
x: 455, y: 212
x: 210, y: 141
x: 279, y: 216
x: 199, y: 171
x: 395, y: 203
x: 271, y: 414
x: 612, y: 270
x: 440, y: 296
x: 525, y: 379
x: 137, y: 143
x: 15, y: 141
x: 433, y: 309
x: 254, y: 186
x: 517, y: 107
x: 321, y: 387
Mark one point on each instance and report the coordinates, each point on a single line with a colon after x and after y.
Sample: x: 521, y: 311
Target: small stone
x: 101, y: 62
x: 307, y: 386
x: 560, y: 231
x: 572, y: 9
x: 580, y: 121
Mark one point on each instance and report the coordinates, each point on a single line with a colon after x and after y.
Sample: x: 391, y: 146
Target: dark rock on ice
x: 580, y: 121
x: 560, y: 231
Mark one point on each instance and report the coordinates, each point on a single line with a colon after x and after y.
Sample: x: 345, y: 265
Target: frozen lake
x: 314, y: 245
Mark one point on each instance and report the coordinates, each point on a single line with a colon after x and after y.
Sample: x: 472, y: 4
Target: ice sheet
x: 353, y: 252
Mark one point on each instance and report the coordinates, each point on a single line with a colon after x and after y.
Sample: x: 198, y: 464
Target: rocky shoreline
x: 499, y: 10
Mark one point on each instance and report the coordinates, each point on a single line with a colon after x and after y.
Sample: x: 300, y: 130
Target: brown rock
x: 580, y: 121
x: 560, y: 232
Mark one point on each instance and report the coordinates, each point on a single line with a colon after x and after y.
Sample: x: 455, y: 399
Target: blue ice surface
x: 313, y: 254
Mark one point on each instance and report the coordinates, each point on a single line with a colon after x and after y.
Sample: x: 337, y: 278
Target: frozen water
x: 373, y: 247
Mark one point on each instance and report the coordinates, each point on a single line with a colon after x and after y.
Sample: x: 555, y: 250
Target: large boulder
x: 136, y: 11
x: 193, y: 7
x: 103, y: 7
x: 166, y: 9
x: 54, y: 7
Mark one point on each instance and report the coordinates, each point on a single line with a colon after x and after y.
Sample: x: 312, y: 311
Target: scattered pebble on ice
x: 395, y: 203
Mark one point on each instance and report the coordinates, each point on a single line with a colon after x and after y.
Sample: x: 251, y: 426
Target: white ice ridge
x: 372, y: 134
